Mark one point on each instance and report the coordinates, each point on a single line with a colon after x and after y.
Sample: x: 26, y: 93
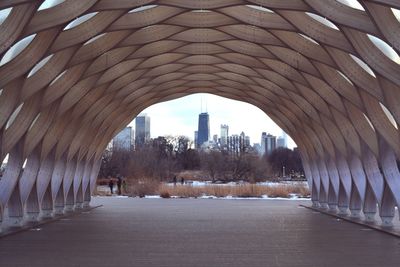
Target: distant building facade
x: 215, y: 138
x: 124, y: 140
x: 257, y: 147
x: 142, y: 135
x: 196, y: 137
x: 247, y: 141
x: 224, y: 135
x: 203, y: 132
x: 263, y: 138
x: 238, y: 144
x: 280, y: 142
x: 233, y: 144
x: 270, y: 144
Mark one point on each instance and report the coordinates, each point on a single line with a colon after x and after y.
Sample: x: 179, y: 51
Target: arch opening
x: 324, y: 86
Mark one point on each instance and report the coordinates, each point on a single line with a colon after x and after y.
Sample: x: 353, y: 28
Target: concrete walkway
x: 200, y: 232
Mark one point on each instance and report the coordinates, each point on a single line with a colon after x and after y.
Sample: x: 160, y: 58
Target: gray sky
x: 180, y: 117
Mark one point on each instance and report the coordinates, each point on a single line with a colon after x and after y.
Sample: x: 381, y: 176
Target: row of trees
x: 163, y: 157
x: 160, y: 159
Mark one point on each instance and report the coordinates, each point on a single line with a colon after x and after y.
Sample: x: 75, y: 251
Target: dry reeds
x: 142, y: 188
x: 101, y: 193
x: 245, y: 190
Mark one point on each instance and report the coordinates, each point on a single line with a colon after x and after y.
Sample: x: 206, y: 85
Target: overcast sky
x: 180, y: 117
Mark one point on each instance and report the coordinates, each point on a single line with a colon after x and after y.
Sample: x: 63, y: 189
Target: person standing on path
x: 111, y: 185
x: 119, y: 184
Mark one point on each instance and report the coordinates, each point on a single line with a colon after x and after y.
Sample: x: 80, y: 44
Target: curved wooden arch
x: 71, y: 89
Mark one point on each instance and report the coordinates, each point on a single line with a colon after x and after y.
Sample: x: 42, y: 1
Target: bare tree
x: 213, y: 163
x: 284, y: 157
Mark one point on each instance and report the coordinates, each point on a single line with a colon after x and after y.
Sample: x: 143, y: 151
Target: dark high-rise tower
x: 142, y: 130
x: 203, y: 134
x: 270, y: 144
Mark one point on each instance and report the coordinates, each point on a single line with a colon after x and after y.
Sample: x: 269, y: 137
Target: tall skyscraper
x: 224, y: 134
x: 124, y: 140
x: 142, y: 130
x: 263, y: 137
x: 270, y: 144
x: 203, y: 134
x: 242, y: 137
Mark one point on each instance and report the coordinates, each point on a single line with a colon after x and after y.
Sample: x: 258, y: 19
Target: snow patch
x: 264, y: 197
x: 268, y: 183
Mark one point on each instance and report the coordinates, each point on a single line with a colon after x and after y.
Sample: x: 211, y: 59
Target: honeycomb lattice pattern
x: 74, y: 74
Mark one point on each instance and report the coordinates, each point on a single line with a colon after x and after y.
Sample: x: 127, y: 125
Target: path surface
x: 199, y: 232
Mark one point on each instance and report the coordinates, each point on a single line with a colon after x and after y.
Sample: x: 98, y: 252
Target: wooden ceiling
x: 318, y: 68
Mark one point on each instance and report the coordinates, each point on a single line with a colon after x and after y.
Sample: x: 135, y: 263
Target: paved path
x: 200, y: 232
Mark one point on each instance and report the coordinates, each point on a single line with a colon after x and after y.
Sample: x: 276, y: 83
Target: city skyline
x: 180, y: 117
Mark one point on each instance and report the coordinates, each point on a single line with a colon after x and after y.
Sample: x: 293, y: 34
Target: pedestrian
x: 182, y: 181
x: 119, y: 184
x: 111, y: 185
x: 174, y: 180
x: 124, y: 187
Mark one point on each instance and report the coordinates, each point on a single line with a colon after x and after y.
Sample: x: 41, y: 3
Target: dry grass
x: 100, y: 193
x: 247, y: 190
x: 193, y: 175
x: 142, y: 188
x: 300, y: 190
x: 179, y: 191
